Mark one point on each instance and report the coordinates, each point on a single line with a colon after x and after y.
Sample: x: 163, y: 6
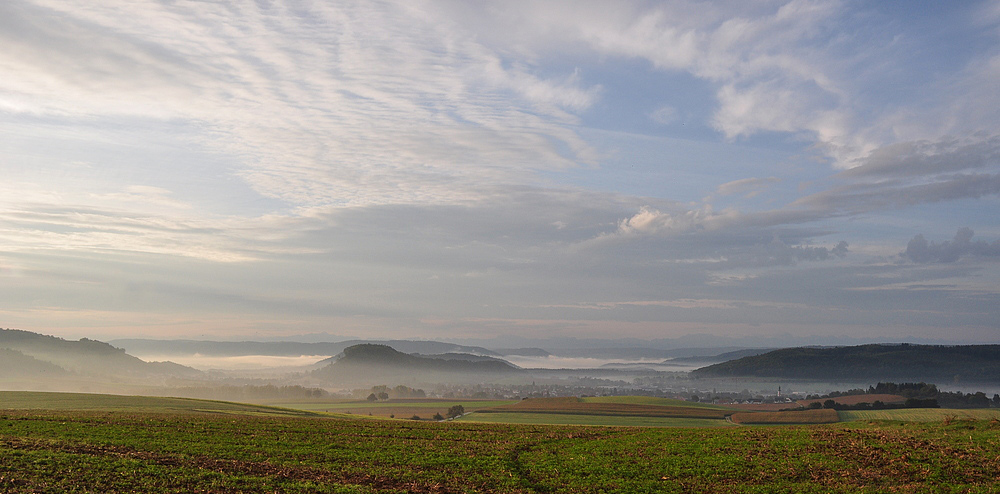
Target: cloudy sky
x: 478, y: 170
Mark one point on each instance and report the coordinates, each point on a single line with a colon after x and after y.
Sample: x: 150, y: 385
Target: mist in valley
x: 37, y: 362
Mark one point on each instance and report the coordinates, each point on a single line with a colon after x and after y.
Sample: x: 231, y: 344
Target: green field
x: 922, y: 414
x: 593, y: 420
x: 398, y: 408
x: 602, y: 411
x: 363, y: 404
x: 122, y: 444
x: 650, y: 400
x: 29, y: 400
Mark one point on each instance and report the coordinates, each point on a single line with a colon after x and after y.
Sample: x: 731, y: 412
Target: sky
x: 501, y: 171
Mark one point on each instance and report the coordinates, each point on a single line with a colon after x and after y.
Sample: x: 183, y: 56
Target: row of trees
x: 947, y: 399
x: 383, y: 392
x: 250, y: 392
x: 455, y: 411
x: 918, y: 395
x: 876, y: 405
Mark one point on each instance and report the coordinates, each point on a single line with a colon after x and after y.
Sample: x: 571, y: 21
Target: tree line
x: 917, y: 394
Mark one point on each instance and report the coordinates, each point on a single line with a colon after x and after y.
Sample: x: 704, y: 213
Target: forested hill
x: 16, y: 364
x: 377, y: 361
x: 902, y: 362
x: 86, y: 357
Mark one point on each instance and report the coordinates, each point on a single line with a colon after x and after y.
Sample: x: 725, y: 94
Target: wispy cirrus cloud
x: 913, y: 173
x: 350, y: 104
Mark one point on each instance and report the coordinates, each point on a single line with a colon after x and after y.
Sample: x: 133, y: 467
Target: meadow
x: 37, y: 400
x: 921, y: 414
x: 590, y: 419
x: 161, y: 446
x: 405, y: 408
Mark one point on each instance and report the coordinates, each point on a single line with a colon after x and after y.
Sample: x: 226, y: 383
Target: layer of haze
x: 489, y: 170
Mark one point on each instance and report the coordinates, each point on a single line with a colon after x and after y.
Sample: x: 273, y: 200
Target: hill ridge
x: 374, y: 361
x: 85, y: 356
x: 900, y: 362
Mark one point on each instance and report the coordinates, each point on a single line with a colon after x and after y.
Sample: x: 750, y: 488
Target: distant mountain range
x: 24, y: 354
x: 283, y: 348
x: 523, y: 352
x: 36, y: 355
x: 878, y: 362
x: 169, y: 348
x: 722, y: 357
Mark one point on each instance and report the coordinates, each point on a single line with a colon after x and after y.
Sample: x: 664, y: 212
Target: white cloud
x: 816, y: 70
x: 650, y: 221
x: 770, y: 63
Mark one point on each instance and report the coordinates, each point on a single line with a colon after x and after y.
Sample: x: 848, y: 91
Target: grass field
x: 158, y: 451
x: 398, y: 408
x: 922, y: 414
x: 650, y: 400
x: 593, y: 420
x: 29, y: 400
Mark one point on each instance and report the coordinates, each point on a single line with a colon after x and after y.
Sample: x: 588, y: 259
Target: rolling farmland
x: 154, y: 448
